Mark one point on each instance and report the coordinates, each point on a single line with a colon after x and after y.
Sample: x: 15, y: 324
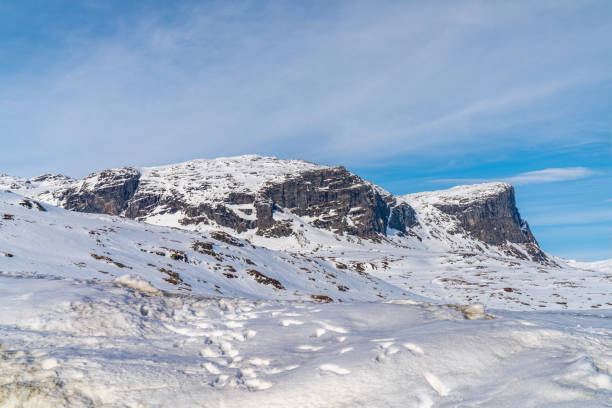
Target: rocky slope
x: 38, y: 241
x: 487, y: 211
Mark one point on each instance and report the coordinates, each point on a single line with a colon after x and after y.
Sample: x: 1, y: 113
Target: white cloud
x: 351, y: 82
x: 551, y: 175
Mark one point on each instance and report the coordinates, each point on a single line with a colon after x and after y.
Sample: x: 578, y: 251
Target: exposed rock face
x: 107, y: 192
x: 331, y: 198
x: 221, y: 215
x: 337, y: 199
x: 50, y: 178
x: 402, y: 217
x: 493, y: 219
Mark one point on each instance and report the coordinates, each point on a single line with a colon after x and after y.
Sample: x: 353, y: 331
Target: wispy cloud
x: 347, y: 82
x: 551, y: 175
x: 530, y: 177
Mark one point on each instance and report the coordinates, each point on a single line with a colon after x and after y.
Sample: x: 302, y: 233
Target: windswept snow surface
x: 600, y: 266
x: 72, y: 342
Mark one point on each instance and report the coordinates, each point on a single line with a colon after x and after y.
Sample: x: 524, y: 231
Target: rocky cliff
x: 486, y: 212
x: 329, y: 198
x: 107, y: 192
x: 336, y: 200
x: 493, y: 218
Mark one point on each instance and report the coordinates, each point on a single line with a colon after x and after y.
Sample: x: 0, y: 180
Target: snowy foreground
x: 86, y: 343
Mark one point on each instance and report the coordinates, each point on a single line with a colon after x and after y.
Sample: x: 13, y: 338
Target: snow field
x: 106, y: 345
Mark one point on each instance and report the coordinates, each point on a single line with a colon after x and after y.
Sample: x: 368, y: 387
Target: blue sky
x: 411, y: 95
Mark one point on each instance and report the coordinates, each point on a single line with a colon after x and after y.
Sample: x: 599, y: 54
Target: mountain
x: 252, y: 281
x: 271, y: 198
x: 466, y: 244
x: 243, y: 194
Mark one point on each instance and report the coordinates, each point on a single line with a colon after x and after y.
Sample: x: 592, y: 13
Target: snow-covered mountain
x: 253, y: 281
x: 267, y: 197
x: 466, y: 244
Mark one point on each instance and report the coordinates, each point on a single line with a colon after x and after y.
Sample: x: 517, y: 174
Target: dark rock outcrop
x: 219, y: 214
x: 107, y: 192
x: 333, y: 198
x: 402, y: 217
x: 50, y: 178
x: 493, y: 219
x: 338, y: 200
x: 30, y: 204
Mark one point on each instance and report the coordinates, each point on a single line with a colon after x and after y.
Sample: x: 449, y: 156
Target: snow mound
x: 600, y: 266
x: 137, y: 283
x: 473, y: 311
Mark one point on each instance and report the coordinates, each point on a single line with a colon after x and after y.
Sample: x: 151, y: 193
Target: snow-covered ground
x: 71, y: 342
x: 67, y: 244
